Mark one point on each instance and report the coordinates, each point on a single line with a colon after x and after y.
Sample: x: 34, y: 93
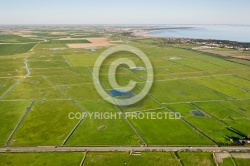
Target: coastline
x: 208, y: 42
x: 145, y: 33
x: 234, y: 45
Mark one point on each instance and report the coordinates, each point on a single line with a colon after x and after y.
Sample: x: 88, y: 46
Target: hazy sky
x: 125, y: 12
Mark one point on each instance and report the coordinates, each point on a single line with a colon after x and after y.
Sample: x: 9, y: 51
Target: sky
x: 125, y: 12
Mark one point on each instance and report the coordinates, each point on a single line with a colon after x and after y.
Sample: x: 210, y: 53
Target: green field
x: 12, y: 67
x: 196, y: 158
x: 10, y: 110
x: 168, y: 132
x: 120, y: 158
x: 39, y: 159
x: 6, y: 84
x: 99, y: 130
x: 50, y: 119
x: 183, y: 91
x: 242, y: 162
x: 11, y: 49
x: 225, y: 88
x: 42, y: 81
x: 8, y: 38
x: 33, y: 88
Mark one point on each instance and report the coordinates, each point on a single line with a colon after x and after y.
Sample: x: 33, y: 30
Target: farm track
x: 124, y: 149
x: 12, y: 87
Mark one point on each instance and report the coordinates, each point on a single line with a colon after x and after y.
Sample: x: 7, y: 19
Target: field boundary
x: 178, y: 158
x: 123, y: 115
x: 67, y: 61
x: 12, y: 87
x: 77, y: 124
x: 28, y: 109
x: 183, y: 119
x: 83, y: 159
x: 218, y: 92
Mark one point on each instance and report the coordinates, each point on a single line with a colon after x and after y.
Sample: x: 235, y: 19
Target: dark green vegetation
x: 8, y: 38
x: 11, y: 49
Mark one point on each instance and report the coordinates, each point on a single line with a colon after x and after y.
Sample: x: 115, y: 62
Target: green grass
x: 240, y: 106
x: 182, y: 91
x: 33, y: 88
x: 116, y: 130
x: 183, y: 108
x: 82, y: 92
x: 146, y: 104
x: 39, y: 159
x: 123, y: 158
x: 244, y: 75
x: 122, y: 80
x: 82, y: 60
x: 11, y: 113
x: 213, y: 128
x: 198, y: 64
x: 11, y: 49
x: 46, y: 124
x: 210, y: 126
x: 203, y: 79
x: 221, y: 62
x: 227, y: 162
x: 176, y: 68
x: 168, y: 132
x: 218, y: 111
x: 71, y: 79
x: 47, y: 72
x: 12, y: 67
x: 225, y: 88
x: 6, y: 84
x: 242, y: 162
x: 48, y: 64
x: 196, y: 158
x: 15, y: 39
x: 240, y: 61
x: 236, y: 81
x: 241, y: 125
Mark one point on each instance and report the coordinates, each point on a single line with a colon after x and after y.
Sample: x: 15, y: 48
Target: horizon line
x: 116, y: 24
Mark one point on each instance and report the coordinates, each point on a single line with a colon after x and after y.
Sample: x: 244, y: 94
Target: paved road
x: 124, y: 148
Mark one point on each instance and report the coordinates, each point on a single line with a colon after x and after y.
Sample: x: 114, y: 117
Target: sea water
x: 240, y: 33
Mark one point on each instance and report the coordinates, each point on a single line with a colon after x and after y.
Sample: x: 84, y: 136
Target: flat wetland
x: 46, y: 74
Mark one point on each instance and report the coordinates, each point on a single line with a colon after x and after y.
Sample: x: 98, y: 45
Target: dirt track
x: 121, y: 149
